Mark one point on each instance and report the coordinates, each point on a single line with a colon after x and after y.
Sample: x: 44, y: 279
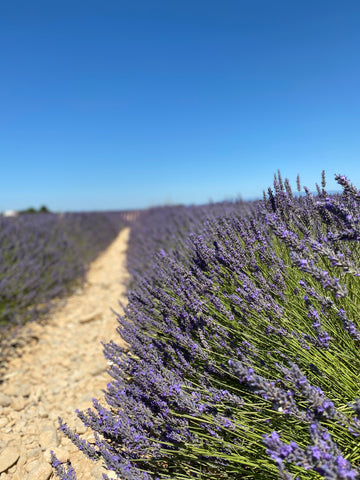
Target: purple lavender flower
x: 322, y: 457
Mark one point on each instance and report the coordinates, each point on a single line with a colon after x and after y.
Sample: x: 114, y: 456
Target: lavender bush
x: 243, y: 349
x: 42, y: 256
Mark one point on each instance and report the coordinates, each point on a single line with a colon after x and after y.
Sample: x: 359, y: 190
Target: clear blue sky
x: 126, y: 104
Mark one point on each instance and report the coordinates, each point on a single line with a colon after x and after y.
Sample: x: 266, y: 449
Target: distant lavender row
x: 42, y: 255
x: 167, y: 228
x: 244, y: 347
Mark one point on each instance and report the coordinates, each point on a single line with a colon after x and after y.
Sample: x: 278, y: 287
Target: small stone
x: 80, y: 427
x: 90, y: 318
x: 111, y: 474
x: 34, y: 452
x: 90, y: 438
x: 37, y: 394
x: 42, y: 413
x: 98, y: 471
x: 48, y: 438
x: 61, y: 454
x: 42, y: 471
x: 19, y: 389
x: 18, y: 404
x: 32, y: 464
x: 5, y: 400
x: 8, y: 458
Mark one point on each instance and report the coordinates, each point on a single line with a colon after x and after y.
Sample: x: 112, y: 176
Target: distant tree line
x: 42, y: 209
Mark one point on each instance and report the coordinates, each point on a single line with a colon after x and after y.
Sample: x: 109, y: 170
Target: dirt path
x: 59, y: 372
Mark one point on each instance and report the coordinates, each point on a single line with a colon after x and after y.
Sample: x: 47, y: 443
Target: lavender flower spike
x: 62, y: 472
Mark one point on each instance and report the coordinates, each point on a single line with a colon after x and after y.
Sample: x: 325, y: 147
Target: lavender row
x: 243, y: 346
x: 42, y: 256
x: 167, y: 228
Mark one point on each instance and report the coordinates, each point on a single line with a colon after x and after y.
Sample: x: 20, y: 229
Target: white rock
x: 112, y: 474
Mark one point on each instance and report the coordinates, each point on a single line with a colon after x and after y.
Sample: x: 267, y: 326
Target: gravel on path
x: 60, y: 370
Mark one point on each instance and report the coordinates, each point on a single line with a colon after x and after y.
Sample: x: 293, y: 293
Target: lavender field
x: 242, y: 326
x: 243, y: 334
x: 43, y: 256
x: 195, y: 311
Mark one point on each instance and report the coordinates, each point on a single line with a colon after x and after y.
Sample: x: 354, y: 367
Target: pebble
x: 62, y: 454
x: 19, y: 389
x: 31, y: 464
x: 112, y: 475
x: 98, y: 471
x: 79, y: 426
x: 42, y: 471
x: 48, y: 437
x: 34, y: 452
x: 90, y: 438
x: 18, y: 404
x: 8, y: 457
x: 42, y: 412
x: 90, y: 318
x: 5, y: 400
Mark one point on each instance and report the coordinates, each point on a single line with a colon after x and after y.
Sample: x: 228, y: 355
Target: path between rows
x: 61, y: 370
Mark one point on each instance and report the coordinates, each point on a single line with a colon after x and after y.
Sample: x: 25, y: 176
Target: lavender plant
x: 243, y: 348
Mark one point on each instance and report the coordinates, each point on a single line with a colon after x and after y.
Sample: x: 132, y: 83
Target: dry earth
x: 60, y: 370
